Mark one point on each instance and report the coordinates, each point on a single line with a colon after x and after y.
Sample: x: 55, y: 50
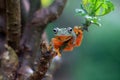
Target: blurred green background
x: 98, y: 58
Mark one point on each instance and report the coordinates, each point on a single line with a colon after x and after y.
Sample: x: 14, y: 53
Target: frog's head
x: 63, y: 34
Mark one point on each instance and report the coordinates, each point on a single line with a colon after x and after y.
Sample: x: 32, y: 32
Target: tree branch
x: 34, y: 6
x: 46, y: 56
x: 34, y: 29
x: 13, y: 23
x: 31, y: 38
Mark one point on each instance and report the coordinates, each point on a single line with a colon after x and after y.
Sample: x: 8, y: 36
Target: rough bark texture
x: 43, y: 65
x: 13, y: 22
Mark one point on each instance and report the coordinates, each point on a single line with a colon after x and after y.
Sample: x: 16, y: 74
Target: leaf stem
x: 86, y: 25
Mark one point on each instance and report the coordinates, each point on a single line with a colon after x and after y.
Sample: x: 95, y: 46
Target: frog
x: 66, y: 38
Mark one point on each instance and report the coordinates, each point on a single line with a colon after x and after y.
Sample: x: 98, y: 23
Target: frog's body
x: 66, y: 39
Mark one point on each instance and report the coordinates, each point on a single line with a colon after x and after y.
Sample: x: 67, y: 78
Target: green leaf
x: 97, y: 7
x: 92, y: 9
x: 105, y: 8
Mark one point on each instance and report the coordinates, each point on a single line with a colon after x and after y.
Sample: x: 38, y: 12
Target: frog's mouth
x: 63, y: 38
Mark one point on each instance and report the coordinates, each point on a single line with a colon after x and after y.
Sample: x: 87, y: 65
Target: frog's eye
x: 55, y: 30
x: 70, y: 29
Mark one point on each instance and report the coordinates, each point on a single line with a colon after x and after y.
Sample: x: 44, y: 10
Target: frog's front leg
x: 56, y: 45
x: 79, y: 34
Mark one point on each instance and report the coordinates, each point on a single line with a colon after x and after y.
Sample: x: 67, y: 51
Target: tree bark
x: 44, y: 60
x: 34, y: 6
x: 13, y: 23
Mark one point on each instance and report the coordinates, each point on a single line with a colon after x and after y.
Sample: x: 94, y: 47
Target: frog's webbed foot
x: 77, y: 30
x: 58, y: 52
x: 55, y: 51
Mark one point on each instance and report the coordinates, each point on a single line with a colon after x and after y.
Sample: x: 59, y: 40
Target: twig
x: 86, y: 25
x: 45, y: 59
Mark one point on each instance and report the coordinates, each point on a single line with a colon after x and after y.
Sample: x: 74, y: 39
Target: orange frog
x: 66, y: 39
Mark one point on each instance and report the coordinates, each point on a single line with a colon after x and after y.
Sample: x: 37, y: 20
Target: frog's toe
x: 59, y: 54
